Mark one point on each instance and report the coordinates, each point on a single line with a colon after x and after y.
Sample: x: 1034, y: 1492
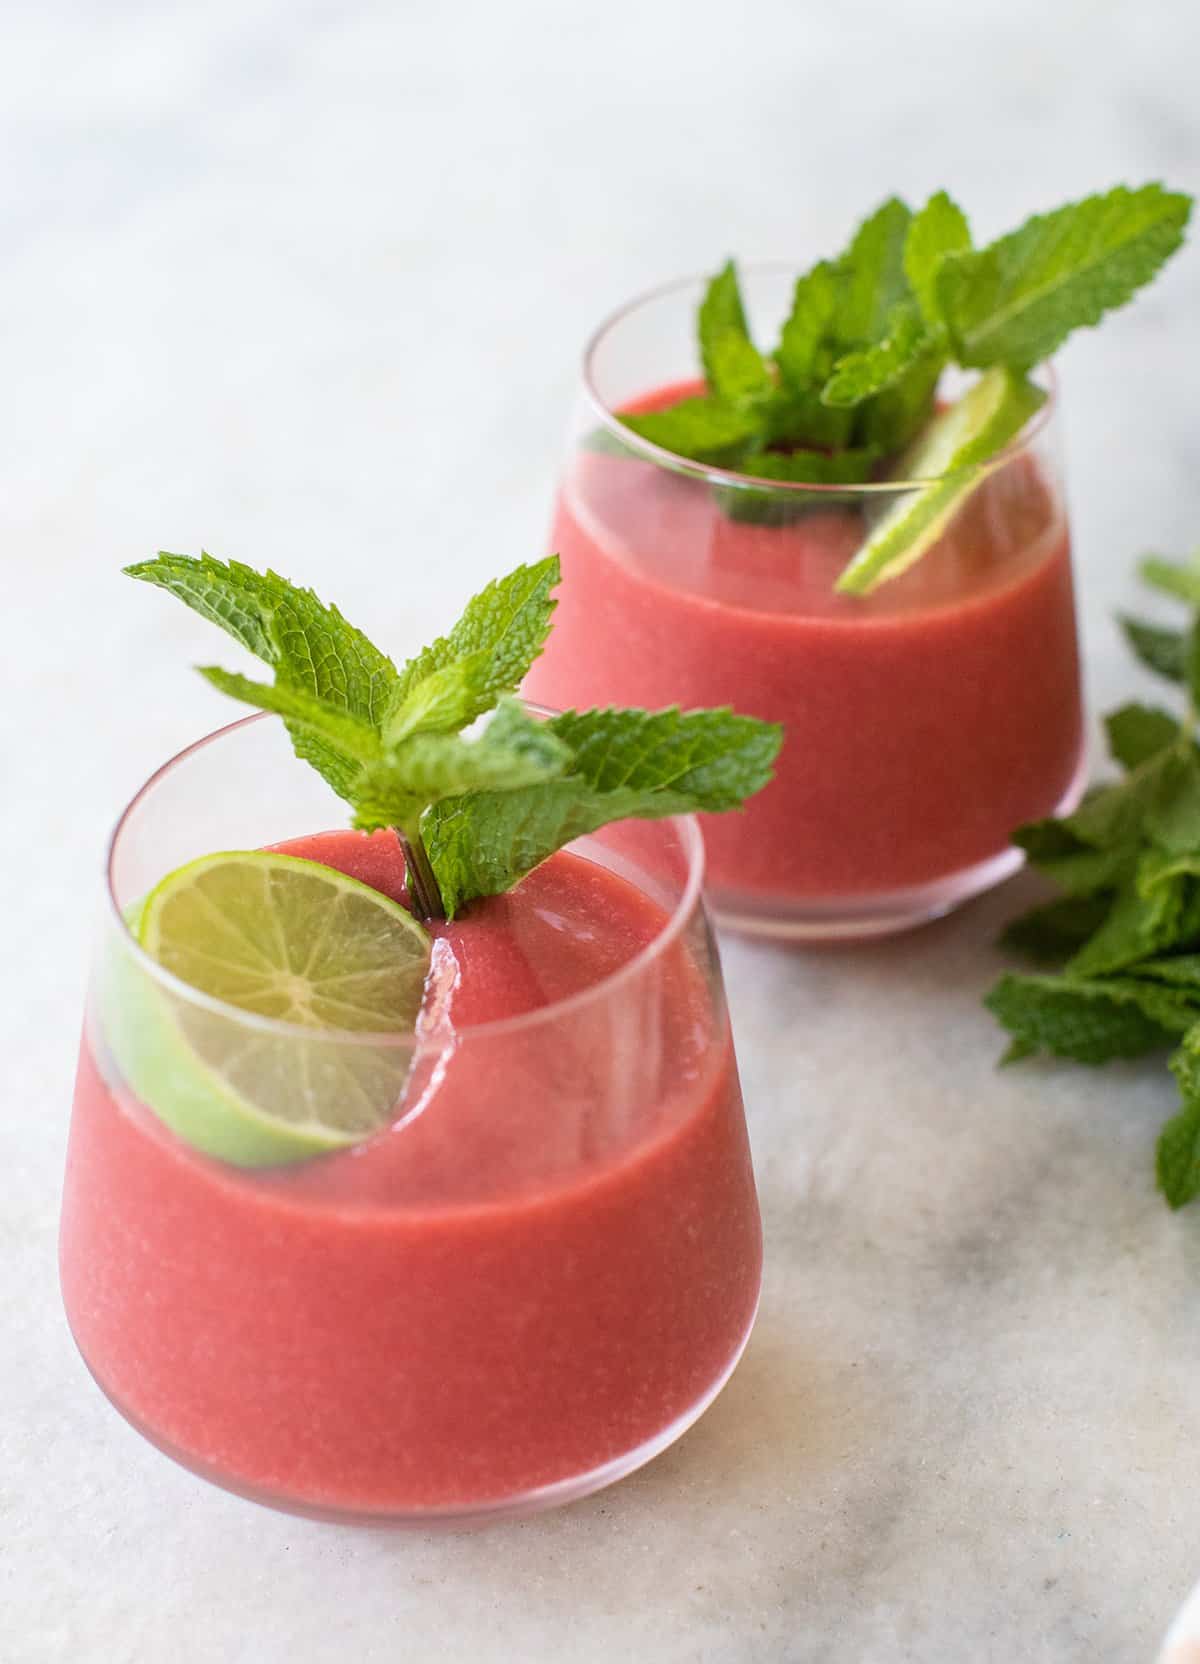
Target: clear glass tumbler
x: 924, y: 721
x: 528, y: 1284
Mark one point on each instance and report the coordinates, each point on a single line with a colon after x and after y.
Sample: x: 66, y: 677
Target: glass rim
x: 690, y: 898
x: 732, y: 478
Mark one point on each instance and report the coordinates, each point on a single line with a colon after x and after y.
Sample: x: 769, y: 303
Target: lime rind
x: 252, y: 1093
x: 949, y: 454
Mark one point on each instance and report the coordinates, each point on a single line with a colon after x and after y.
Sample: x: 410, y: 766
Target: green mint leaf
x: 1144, y: 920
x: 309, y: 645
x: 804, y: 354
x: 1172, y: 818
x: 851, y: 467
x: 1177, y: 1158
x: 874, y: 282
x: 1159, y: 649
x: 797, y: 420
x: 229, y: 595
x: 721, y: 314
x: 1079, y: 868
x: 894, y: 417
x: 781, y: 508
x: 1016, y: 301
x: 799, y: 468
x: 1088, y: 1021
x: 1052, y: 932
x: 491, y: 806
x: 344, y: 743
x: 1179, y: 579
x: 938, y: 229
x: 861, y: 375
x: 733, y: 367
x: 701, y: 760
x: 624, y: 763
x: 1138, y: 732
x: 1182, y: 970
x: 703, y: 429
x: 515, y: 750
x: 461, y: 675
x: 739, y: 373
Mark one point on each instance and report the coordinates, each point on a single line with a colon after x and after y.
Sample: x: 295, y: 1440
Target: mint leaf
x: 460, y: 676
x: 1088, y: 1021
x: 1138, y: 732
x: 1131, y: 851
x: 702, y: 760
x: 893, y: 417
x: 780, y: 508
x: 625, y: 763
x: 1079, y: 868
x: 804, y: 354
x: 739, y: 371
x: 492, y: 805
x: 1017, y: 300
x: 851, y: 467
x: 1160, y: 650
x: 1182, y: 971
x: 721, y: 314
x: 873, y: 280
x: 343, y: 742
x: 861, y: 375
x: 1179, y: 579
x: 733, y: 367
x: 799, y: 419
x: 515, y: 750
x: 1172, y: 819
x: 1052, y: 932
x: 1144, y: 920
x: 703, y: 429
x: 1177, y: 1158
x: 938, y: 229
x: 310, y: 646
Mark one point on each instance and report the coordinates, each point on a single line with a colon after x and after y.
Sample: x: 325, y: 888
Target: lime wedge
x: 279, y: 938
x: 948, y: 454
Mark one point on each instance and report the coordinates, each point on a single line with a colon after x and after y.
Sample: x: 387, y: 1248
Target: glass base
x: 463, y: 1517
x: 885, y: 913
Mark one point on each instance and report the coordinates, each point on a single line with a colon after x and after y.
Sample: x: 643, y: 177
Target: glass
x: 528, y: 1284
x: 924, y: 722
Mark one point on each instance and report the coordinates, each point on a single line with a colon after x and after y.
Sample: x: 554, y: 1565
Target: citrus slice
x: 287, y: 940
x: 948, y: 454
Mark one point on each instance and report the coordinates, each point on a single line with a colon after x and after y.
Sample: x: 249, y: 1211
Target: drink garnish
x: 857, y: 366
x: 476, y: 812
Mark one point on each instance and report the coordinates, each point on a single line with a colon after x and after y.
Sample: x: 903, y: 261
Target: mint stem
x: 422, y: 884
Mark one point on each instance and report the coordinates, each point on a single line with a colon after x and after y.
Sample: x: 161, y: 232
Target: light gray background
x: 306, y: 284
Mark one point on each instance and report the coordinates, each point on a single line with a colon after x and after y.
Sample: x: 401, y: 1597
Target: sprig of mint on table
x: 1122, y: 942
x: 476, y: 812
x: 849, y: 392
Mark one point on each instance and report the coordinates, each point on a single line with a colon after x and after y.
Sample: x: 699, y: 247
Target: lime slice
x: 280, y: 938
x: 948, y: 454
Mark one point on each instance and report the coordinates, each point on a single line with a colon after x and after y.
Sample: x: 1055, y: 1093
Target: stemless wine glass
x: 529, y: 1283
x: 924, y: 722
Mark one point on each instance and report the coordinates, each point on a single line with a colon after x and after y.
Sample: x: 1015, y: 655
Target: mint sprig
x: 475, y: 811
x: 1125, y: 932
x: 858, y: 362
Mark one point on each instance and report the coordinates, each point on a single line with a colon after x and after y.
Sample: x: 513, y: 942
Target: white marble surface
x: 305, y: 283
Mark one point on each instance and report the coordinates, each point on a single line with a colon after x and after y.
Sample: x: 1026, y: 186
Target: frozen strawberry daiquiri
x: 365, y: 1217
x: 842, y: 538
